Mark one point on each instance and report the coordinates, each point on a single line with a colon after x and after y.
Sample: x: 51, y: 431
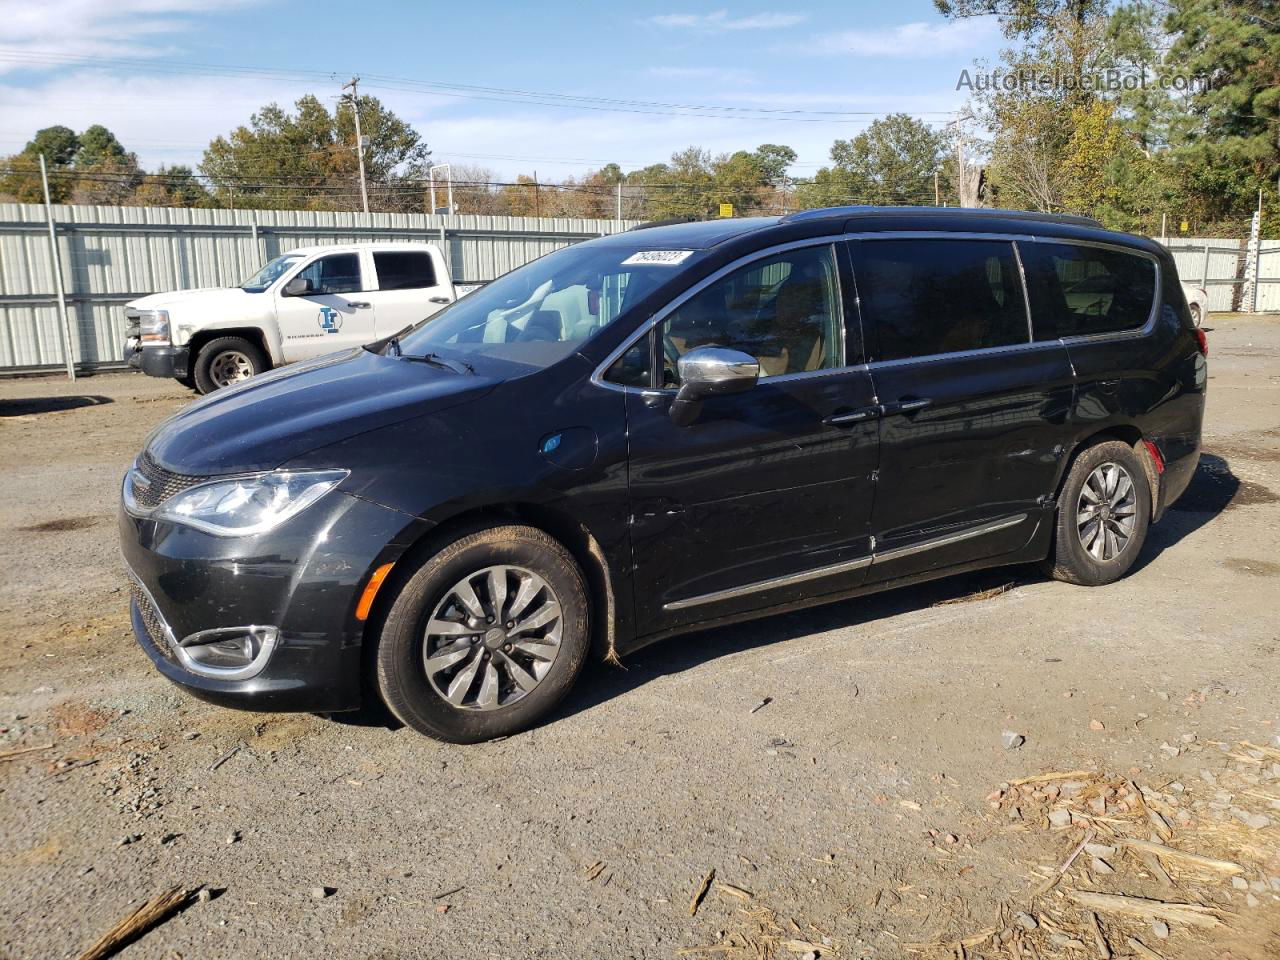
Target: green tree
x: 308, y: 159
x: 893, y: 161
x: 98, y: 145
x: 1235, y: 152
x: 22, y: 179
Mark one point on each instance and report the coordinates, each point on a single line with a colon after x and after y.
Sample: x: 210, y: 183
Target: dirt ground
x: 868, y: 809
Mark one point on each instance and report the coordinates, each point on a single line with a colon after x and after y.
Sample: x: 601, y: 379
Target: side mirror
x: 711, y: 372
x: 297, y: 287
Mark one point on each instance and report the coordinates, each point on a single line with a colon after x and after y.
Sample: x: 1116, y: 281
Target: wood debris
x: 156, y: 910
x: 701, y: 892
x: 731, y: 890
x: 1192, y: 914
x: 1172, y: 853
x: 23, y: 751
x: 1048, y: 777
x: 1141, y: 949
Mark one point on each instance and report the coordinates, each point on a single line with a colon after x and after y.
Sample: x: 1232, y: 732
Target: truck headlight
x: 243, y: 506
x: 153, y: 326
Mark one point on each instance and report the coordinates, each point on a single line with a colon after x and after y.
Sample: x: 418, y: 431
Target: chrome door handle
x: 905, y: 406
x: 358, y: 304
x: 853, y: 416
x: 438, y: 300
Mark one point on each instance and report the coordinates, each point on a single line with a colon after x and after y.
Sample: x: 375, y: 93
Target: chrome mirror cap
x: 711, y: 372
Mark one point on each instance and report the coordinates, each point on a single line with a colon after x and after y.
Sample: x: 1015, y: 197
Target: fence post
x: 1249, y: 298
x: 57, y: 275
x: 1204, y: 272
x: 444, y: 251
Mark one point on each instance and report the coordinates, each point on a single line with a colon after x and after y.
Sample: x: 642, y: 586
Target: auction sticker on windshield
x: 662, y: 258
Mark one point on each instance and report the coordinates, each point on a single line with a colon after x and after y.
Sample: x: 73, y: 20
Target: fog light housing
x: 228, y: 653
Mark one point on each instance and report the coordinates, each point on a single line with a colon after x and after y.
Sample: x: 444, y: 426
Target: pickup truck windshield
x: 269, y: 274
x: 542, y: 312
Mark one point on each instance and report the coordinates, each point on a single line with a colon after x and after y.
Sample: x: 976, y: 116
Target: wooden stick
x: 1141, y: 949
x: 1172, y: 853
x: 733, y: 891
x: 10, y: 754
x: 1061, y: 871
x: 1104, y: 948
x: 1190, y: 913
x: 701, y: 891
x: 154, y: 911
x: 1046, y: 777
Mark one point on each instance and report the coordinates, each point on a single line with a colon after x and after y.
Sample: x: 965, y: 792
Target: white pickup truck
x: 304, y: 303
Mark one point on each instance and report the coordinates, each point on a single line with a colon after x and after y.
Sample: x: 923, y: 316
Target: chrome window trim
x: 597, y: 376
x: 1131, y: 333
x: 830, y: 240
x: 730, y: 593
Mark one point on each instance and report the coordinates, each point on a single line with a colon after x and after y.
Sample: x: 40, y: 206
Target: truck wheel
x: 1103, y: 515
x: 486, y: 637
x: 225, y: 361
x: 1197, y: 315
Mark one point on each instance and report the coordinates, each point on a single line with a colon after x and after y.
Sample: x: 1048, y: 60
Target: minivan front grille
x: 158, y: 484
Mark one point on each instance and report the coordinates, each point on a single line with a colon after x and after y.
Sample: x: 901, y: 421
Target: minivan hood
x: 201, y: 298
x: 275, y: 417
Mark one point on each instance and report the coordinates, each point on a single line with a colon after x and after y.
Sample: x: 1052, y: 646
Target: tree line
x: 1187, y: 124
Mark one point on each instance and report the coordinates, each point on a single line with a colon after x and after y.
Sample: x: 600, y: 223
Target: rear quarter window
x: 1078, y: 290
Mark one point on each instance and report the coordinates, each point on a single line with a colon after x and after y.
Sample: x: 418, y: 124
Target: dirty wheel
x: 225, y: 361
x: 485, y: 637
x: 1103, y: 514
x: 1197, y: 315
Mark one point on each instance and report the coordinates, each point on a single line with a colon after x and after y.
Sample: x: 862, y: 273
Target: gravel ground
x: 852, y: 815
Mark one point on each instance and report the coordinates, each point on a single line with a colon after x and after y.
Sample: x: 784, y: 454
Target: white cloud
x: 915, y: 40
x: 720, y: 20
x: 42, y: 34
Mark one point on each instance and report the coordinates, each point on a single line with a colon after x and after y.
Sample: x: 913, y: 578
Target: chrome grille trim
x: 158, y: 483
x: 158, y: 631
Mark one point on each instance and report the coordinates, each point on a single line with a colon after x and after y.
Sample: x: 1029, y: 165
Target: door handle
x: 905, y: 406
x: 853, y: 416
x: 438, y: 300
x: 1109, y: 386
x: 358, y: 304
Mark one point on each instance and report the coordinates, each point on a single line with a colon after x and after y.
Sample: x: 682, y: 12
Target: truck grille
x: 157, y: 632
x: 160, y: 485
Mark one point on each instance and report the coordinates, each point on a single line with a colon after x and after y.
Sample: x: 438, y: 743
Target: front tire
x: 1197, y: 315
x: 486, y: 637
x: 1103, y: 515
x: 225, y: 361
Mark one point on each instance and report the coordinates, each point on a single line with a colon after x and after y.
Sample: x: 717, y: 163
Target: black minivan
x: 659, y: 431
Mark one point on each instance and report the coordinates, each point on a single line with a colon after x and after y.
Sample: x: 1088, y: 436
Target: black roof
x: 851, y: 212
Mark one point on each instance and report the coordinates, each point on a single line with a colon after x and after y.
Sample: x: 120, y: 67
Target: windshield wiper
x: 435, y: 360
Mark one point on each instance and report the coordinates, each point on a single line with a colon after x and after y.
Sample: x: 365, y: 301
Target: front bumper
x: 303, y: 579
x: 158, y: 361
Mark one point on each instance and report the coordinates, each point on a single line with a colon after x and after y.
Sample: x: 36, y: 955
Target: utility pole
x: 937, y: 199
x: 57, y: 274
x: 537, y: 198
x: 355, y: 106
x: 618, y: 216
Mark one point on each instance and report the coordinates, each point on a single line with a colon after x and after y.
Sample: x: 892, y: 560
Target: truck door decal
x: 330, y: 320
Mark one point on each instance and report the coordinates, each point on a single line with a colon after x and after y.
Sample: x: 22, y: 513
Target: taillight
x: 1203, y: 341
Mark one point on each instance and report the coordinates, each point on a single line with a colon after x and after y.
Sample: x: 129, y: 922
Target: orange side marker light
x: 371, y: 591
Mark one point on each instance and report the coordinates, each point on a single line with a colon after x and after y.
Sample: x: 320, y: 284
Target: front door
x: 766, y: 496
x: 334, y: 314
x: 974, y: 415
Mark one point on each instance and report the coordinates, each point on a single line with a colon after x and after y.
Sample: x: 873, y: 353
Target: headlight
x: 154, y: 326
x: 243, y: 506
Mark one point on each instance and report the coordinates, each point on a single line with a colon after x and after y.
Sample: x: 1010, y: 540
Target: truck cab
x: 302, y: 304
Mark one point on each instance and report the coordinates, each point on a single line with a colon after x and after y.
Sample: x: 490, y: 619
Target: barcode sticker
x: 658, y: 258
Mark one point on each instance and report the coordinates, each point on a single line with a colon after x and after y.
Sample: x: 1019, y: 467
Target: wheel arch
x: 1127, y: 433
x: 573, y: 535
x: 254, y: 335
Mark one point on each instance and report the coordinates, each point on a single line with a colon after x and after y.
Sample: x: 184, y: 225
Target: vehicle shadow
x: 601, y: 682
x: 1213, y: 489
x: 27, y: 406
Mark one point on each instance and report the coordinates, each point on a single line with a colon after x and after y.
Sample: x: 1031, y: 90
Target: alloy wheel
x: 1106, y: 513
x: 492, y: 638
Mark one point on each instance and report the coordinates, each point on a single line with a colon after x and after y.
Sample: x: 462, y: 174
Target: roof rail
x: 823, y: 213
x: 672, y: 221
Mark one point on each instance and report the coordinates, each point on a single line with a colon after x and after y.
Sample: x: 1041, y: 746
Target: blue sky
x: 168, y: 75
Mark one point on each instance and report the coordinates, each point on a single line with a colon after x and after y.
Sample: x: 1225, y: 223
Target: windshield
x: 269, y: 274
x: 542, y: 312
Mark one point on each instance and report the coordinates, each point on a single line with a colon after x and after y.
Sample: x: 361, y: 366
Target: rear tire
x: 1102, y: 517
x: 456, y: 610
x: 1197, y: 315
x: 225, y: 361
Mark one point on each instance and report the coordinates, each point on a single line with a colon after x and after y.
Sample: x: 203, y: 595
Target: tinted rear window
x: 925, y: 297
x: 1078, y: 290
x: 404, y: 270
